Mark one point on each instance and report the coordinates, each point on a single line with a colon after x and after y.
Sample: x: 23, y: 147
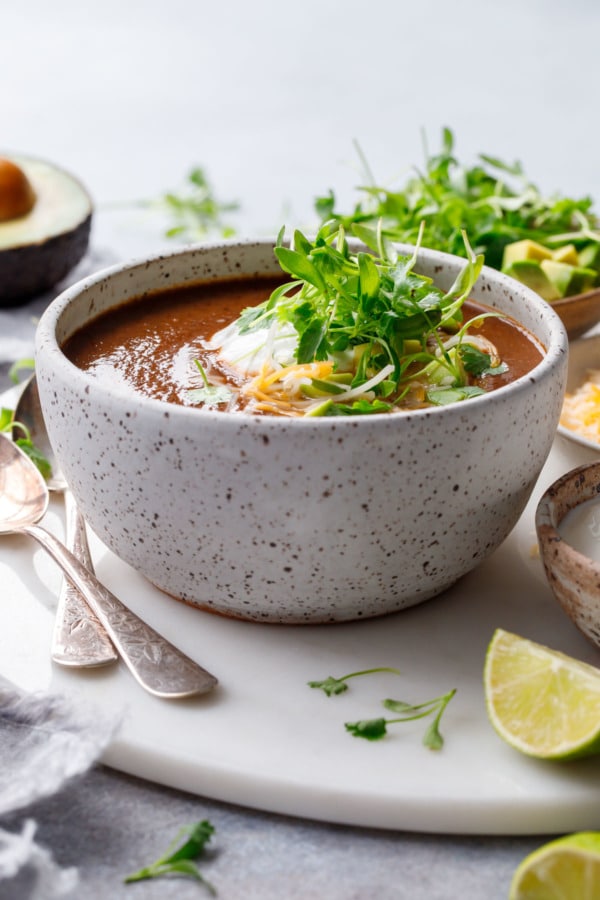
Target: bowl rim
x: 46, y: 341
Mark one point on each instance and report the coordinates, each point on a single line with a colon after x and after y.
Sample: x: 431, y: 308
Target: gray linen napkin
x: 45, y: 740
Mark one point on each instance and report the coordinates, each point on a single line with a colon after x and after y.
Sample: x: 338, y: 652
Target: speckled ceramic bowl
x: 296, y: 520
x: 568, y: 529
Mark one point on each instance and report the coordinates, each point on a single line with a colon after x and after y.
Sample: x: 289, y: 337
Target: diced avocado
x: 567, y: 254
x: 589, y: 256
x: 568, y: 280
x: 530, y: 272
x: 525, y: 249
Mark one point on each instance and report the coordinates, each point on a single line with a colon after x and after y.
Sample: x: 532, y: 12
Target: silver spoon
x: 78, y: 638
x: 156, y: 664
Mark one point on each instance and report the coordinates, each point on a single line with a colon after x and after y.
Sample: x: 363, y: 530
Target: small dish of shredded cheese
x: 580, y: 416
x: 581, y: 409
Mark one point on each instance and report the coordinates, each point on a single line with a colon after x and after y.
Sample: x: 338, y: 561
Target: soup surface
x: 158, y: 344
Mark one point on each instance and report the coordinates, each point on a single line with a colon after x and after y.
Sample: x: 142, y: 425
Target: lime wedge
x: 541, y: 702
x: 565, y: 869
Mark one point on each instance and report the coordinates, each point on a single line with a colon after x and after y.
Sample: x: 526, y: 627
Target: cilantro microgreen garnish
x: 375, y: 729
x: 209, y: 394
x: 477, y: 362
x: 494, y: 201
x: 380, y: 326
x: 179, y: 857
x: 331, y: 685
x: 195, y: 210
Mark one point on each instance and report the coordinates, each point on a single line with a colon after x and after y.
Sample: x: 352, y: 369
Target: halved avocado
x: 40, y: 247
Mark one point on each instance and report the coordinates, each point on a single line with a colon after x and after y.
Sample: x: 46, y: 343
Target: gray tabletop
x: 270, y: 98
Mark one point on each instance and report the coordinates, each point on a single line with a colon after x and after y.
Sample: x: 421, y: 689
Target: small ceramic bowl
x: 296, y: 520
x: 567, y: 524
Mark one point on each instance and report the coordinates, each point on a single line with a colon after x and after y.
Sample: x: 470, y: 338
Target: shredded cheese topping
x: 279, y: 388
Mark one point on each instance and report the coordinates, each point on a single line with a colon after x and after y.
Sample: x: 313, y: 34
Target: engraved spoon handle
x: 78, y: 638
x: 155, y: 663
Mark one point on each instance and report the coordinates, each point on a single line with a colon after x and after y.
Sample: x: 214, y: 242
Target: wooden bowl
x: 579, y: 313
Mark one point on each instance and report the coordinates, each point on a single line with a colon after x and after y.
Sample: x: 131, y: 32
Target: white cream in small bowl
x: 568, y: 528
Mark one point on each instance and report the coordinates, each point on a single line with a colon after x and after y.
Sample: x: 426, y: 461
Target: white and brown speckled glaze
x: 573, y: 577
x: 296, y: 520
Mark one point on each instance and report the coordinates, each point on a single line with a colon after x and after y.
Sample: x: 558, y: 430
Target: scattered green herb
x: 477, y: 362
x: 19, y: 366
x: 6, y: 419
x: 493, y: 201
x: 209, y: 394
x: 36, y: 456
x: 331, y: 685
x: 375, y: 729
x: 179, y: 857
x: 9, y: 426
x: 195, y: 210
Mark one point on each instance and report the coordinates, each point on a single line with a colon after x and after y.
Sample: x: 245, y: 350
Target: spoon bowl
x: 78, y: 638
x: 23, y: 496
x: 157, y: 665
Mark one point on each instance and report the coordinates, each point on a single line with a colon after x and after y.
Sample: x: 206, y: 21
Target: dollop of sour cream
x: 247, y: 353
x: 275, y: 346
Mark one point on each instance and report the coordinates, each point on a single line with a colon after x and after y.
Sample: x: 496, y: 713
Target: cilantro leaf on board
x: 331, y: 685
x: 375, y: 729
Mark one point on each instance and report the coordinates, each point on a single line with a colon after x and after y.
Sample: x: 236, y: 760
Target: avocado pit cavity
x: 17, y: 196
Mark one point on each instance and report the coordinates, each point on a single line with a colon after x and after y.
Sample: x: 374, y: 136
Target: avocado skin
x: 31, y: 269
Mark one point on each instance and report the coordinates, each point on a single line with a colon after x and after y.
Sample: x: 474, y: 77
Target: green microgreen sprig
x: 375, y: 308
x: 17, y: 430
x: 20, y: 365
x: 332, y: 685
x: 6, y: 419
x: 209, y: 394
x: 179, y: 859
x: 8, y: 425
x: 494, y: 201
x: 195, y: 210
x: 375, y: 729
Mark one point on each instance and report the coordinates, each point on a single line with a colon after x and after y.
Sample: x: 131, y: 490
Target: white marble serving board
x: 265, y: 740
